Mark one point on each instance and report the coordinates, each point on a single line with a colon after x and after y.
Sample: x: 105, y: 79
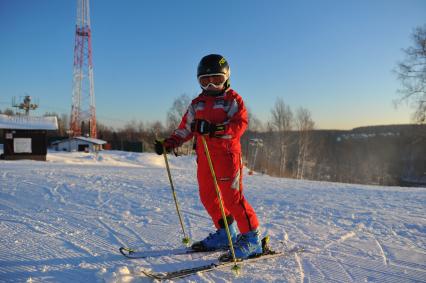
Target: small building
x: 25, y: 137
x: 79, y: 144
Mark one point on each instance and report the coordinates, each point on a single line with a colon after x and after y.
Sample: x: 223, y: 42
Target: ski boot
x: 218, y: 240
x: 248, y: 245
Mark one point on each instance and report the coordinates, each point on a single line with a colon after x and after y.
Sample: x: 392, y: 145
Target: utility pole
x: 83, y: 111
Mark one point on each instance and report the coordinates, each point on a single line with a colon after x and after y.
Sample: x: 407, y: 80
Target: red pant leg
x: 228, y: 169
x: 208, y: 195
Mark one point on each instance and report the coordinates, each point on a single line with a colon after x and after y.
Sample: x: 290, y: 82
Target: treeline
x: 146, y: 133
x: 288, y: 145
x: 381, y: 155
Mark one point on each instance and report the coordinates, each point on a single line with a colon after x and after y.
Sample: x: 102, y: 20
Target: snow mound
x: 121, y: 274
x: 119, y: 159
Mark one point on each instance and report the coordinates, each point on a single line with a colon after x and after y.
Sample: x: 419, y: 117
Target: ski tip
x: 225, y: 257
x: 125, y: 251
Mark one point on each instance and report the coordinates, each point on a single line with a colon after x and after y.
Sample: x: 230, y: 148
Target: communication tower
x: 83, y: 111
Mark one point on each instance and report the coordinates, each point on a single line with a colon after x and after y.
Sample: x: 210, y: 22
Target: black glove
x: 158, y: 146
x: 201, y: 126
x: 204, y: 127
x: 169, y: 144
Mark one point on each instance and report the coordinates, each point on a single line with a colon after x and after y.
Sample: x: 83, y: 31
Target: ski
x: 269, y: 254
x: 135, y: 254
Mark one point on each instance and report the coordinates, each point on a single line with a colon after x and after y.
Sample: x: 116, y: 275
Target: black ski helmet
x: 214, y: 64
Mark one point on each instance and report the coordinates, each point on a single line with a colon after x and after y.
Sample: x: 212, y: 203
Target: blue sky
x: 334, y: 58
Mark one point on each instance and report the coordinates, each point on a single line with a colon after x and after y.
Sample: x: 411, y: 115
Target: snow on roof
x: 28, y: 122
x: 91, y: 140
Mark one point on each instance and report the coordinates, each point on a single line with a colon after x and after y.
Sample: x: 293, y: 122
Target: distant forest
x: 378, y: 155
x: 289, y: 146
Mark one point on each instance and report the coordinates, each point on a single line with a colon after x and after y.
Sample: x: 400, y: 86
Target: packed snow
x: 63, y: 221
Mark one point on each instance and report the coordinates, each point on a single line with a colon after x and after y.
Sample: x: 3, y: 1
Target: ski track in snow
x: 382, y: 252
x: 64, y: 220
x: 300, y: 267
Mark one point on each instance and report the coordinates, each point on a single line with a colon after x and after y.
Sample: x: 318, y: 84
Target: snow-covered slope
x: 63, y: 221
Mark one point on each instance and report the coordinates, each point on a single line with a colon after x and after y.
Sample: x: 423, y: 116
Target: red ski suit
x: 225, y: 152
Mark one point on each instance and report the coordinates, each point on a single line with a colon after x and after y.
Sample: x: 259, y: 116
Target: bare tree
x: 174, y: 117
x: 140, y: 127
x: 254, y: 124
x: 412, y: 74
x: 129, y: 132
x: 268, y: 148
x: 65, y: 121
x: 304, y: 125
x: 178, y: 109
x: 157, y: 128
x: 282, y: 122
x: 104, y: 132
x: 62, y: 122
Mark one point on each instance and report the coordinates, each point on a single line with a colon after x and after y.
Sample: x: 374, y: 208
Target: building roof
x: 91, y: 140
x: 20, y: 122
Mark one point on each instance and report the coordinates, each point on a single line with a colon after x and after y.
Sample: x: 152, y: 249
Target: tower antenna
x: 25, y: 105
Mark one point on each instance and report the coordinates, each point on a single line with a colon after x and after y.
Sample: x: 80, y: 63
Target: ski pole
x: 235, y: 268
x: 185, y: 239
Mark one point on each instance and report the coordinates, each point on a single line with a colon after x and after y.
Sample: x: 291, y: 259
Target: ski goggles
x: 216, y: 80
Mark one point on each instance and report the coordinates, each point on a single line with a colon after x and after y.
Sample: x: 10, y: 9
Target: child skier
x: 219, y: 114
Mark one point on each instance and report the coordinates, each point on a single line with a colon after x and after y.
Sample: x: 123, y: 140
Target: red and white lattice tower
x: 83, y: 111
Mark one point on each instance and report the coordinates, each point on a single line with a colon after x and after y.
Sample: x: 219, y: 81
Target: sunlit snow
x: 63, y: 221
